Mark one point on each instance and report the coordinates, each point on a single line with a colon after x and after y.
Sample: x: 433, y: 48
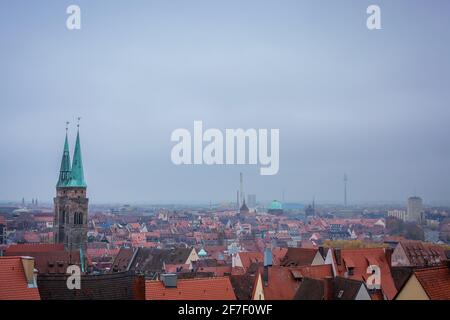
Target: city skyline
x: 371, y: 105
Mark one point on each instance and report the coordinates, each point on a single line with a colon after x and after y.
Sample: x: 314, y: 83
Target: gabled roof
x: 315, y: 272
x: 13, y: 282
x: 191, y: 289
x: 152, y: 260
x: 360, y: 261
x: 281, y: 284
x: 53, y: 262
x: 401, y: 276
x: 299, y: 257
x: 422, y: 254
x: 310, y: 289
x: 115, y: 286
x: 247, y: 258
x: 328, y: 289
x: 243, y: 285
x: 435, y: 281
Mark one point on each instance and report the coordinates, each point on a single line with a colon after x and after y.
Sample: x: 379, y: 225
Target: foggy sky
x: 372, y: 104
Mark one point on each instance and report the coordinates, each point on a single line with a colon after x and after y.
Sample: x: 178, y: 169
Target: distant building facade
x: 414, y: 209
x: 251, y: 201
x: 399, y: 214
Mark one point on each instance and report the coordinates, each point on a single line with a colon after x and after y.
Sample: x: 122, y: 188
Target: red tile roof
x: 247, y: 258
x: 315, y: 272
x: 27, y: 248
x: 13, y: 283
x: 281, y: 283
x: 422, y: 254
x: 191, y: 289
x: 299, y: 257
x: 435, y: 281
x: 359, y: 260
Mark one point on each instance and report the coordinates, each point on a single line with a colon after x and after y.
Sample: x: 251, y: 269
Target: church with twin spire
x: 71, y: 202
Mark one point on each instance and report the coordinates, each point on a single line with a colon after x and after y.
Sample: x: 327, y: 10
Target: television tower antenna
x: 345, y: 190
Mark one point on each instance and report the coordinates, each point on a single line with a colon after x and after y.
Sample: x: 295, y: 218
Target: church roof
x: 71, y: 176
x: 275, y: 205
x: 77, y: 175
x: 64, y: 172
x: 244, y: 207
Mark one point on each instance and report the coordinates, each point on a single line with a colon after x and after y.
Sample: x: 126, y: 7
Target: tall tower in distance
x: 414, y: 209
x: 345, y: 189
x: 242, y: 196
x: 71, y: 202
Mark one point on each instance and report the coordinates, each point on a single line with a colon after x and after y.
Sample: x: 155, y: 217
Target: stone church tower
x: 71, y: 203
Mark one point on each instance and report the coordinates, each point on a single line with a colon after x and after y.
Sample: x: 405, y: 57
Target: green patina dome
x: 202, y: 253
x: 275, y: 205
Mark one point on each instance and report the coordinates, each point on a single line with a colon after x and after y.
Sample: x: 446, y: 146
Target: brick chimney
x: 338, y: 256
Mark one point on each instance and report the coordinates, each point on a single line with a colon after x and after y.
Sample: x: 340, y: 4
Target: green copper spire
x: 77, y: 176
x: 64, y: 172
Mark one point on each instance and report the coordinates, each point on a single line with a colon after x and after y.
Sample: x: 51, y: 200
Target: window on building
x: 78, y: 218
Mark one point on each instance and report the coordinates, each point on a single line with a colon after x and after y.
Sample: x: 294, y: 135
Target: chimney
x: 337, y: 255
x: 388, y: 252
x: 28, y: 268
x: 328, y: 288
x: 268, y: 258
x: 265, y: 276
x: 169, y: 280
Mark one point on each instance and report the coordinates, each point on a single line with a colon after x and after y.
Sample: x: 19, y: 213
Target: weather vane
x: 78, y: 124
x: 67, y: 125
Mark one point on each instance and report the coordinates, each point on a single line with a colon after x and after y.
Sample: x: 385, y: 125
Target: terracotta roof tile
x: 18, y: 249
x: 191, y: 289
x: 435, y: 281
x: 13, y: 283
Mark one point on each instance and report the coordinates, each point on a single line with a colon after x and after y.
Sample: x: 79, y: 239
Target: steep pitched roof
x: 435, y: 281
x: 280, y: 284
x: 243, y: 285
x: 328, y: 289
x: 360, y: 259
x: 310, y: 289
x: 299, y: 257
x: 401, y: 276
x: 152, y: 260
x: 315, y: 272
x: 13, y: 282
x: 49, y: 258
x: 191, y: 289
x: 64, y: 172
x: 77, y: 173
x: 247, y: 258
x: 422, y: 254
x: 122, y: 260
x: 115, y: 286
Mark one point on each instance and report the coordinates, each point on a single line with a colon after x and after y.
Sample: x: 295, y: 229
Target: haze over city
x: 373, y: 105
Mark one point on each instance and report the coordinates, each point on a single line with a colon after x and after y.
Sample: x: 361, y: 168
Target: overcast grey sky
x: 373, y: 104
